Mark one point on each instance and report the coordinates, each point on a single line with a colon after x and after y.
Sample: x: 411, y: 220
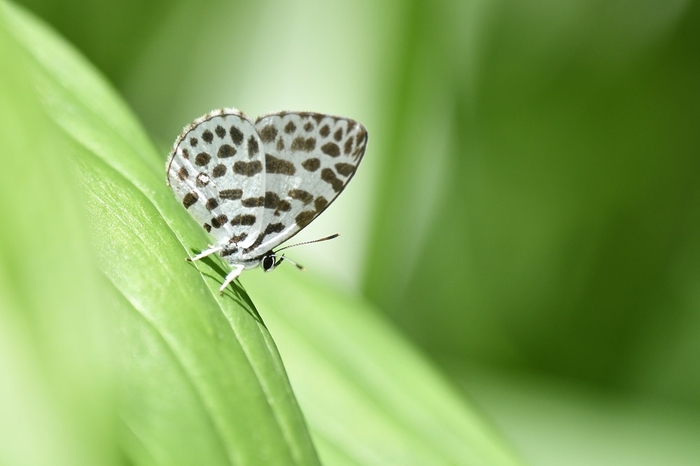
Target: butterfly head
x: 270, y: 261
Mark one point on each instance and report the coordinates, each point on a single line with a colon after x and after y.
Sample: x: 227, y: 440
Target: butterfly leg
x: 205, y: 253
x: 232, y: 275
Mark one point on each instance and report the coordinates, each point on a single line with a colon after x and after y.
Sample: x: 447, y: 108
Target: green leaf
x: 369, y: 397
x: 201, y: 381
x: 55, y: 402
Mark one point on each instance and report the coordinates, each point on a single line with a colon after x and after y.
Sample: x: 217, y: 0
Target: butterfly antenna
x: 298, y: 266
x: 301, y: 267
x: 308, y: 242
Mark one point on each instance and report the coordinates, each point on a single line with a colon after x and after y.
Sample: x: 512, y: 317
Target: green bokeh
x: 531, y: 199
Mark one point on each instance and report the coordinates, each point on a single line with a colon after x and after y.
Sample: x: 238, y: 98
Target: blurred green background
x: 528, y: 211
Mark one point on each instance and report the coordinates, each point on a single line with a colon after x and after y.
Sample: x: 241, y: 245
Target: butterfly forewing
x: 217, y: 171
x: 309, y: 158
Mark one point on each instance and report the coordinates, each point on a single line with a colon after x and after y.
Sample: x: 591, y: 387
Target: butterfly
x: 254, y: 185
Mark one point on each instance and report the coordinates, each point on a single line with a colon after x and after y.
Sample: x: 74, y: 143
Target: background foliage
x: 527, y: 218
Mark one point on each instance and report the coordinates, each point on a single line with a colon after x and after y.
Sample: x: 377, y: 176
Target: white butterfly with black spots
x: 254, y: 185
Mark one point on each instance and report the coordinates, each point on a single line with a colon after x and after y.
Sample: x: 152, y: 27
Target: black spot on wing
x: 218, y: 221
x: 252, y: 146
x: 329, y: 177
x: 274, y: 228
x: 189, y: 199
x: 211, y: 204
x: 236, y: 135
x: 303, y: 144
x: 219, y: 171
x: 320, y: 203
x: 237, y: 239
x: 273, y: 201
x: 345, y: 169
x: 253, y: 201
x: 243, y: 219
x: 331, y: 148
x: 304, y: 218
x: 248, y: 168
x: 276, y: 165
x: 226, y: 151
x: 311, y: 164
x: 301, y: 195
x: 268, y: 133
x: 231, y: 194
x: 202, y: 159
x: 361, y: 136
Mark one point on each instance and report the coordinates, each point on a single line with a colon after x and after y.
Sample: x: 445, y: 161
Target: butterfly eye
x: 268, y: 263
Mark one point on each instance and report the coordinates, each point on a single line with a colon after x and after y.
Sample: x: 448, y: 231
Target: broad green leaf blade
x: 201, y: 380
x: 55, y: 403
x: 369, y: 397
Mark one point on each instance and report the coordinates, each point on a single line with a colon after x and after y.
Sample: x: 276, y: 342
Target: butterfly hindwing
x: 309, y: 158
x: 217, y: 171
